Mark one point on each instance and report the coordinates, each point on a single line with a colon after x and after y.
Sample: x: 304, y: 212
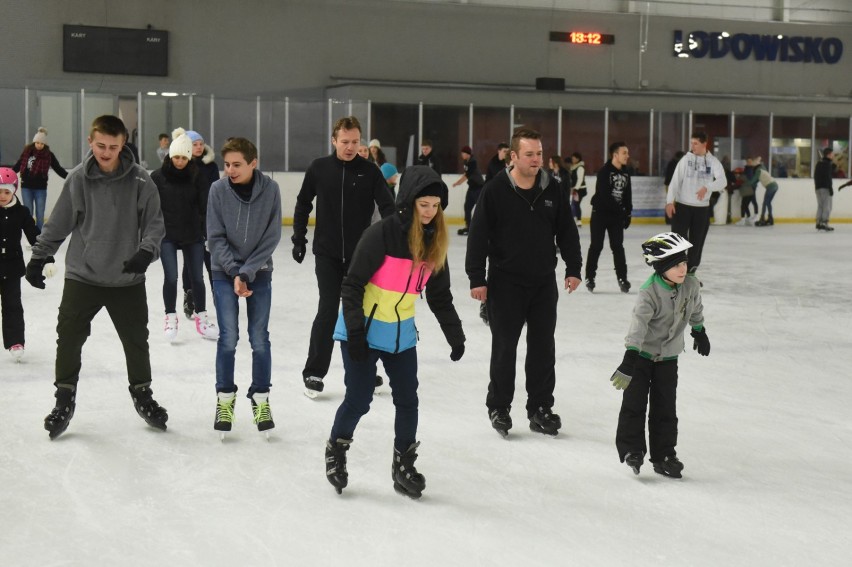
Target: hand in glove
x: 138, y: 263
x: 627, y: 219
x: 34, y: 271
x: 299, y: 252
x: 621, y: 377
x: 358, y: 347
x: 701, y: 343
x: 457, y: 352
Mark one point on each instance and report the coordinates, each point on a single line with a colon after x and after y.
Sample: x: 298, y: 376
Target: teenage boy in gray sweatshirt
x: 111, y: 209
x: 243, y: 230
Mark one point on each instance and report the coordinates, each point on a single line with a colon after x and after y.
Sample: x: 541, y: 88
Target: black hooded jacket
x: 183, y: 199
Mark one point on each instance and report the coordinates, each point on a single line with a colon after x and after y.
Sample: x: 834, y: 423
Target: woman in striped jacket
x: 395, y: 261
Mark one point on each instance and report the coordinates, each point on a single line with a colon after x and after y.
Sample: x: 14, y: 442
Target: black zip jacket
x: 346, y: 194
x: 823, y: 173
x: 519, y: 238
x: 613, y: 191
x: 14, y: 220
x: 183, y: 200
x: 388, y: 239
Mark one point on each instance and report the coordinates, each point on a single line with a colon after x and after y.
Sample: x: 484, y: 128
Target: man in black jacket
x: 347, y: 189
x: 474, y: 185
x: 823, y: 173
x: 520, y: 218
x: 612, y: 206
x: 427, y: 156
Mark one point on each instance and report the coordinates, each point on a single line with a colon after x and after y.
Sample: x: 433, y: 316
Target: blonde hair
x: 435, y: 254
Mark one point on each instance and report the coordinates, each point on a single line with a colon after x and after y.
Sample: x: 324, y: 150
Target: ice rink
x: 764, y: 435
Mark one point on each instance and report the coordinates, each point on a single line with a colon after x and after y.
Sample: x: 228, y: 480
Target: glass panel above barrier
x: 791, y: 146
x: 718, y: 130
x: 272, y: 142
x: 583, y: 132
x: 634, y: 129
x: 309, y: 134
x: 13, y: 134
x: 751, y: 138
x: 670, y: 137
x: 490, y: 127
x: 447, y: 127
x: 395, y: 127
x: 161, y: 115
x: 834, y: 133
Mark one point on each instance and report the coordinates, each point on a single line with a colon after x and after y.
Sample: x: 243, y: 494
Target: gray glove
x: 621, y: 377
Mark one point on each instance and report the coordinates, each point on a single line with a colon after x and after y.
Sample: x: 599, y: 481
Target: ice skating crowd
x: 380, y: 243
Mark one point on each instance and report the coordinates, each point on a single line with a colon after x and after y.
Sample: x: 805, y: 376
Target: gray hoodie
x: 110, y: 217
x: 243, y: 235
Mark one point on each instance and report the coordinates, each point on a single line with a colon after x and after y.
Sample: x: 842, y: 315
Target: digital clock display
x: 583, y: 38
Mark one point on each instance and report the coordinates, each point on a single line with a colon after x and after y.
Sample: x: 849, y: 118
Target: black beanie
x: 433, y: 190
x: 663, y: 265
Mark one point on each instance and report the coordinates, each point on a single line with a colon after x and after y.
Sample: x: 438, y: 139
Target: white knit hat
x: 181, y: 144
x: 41, y: 135
x: 375, y: 143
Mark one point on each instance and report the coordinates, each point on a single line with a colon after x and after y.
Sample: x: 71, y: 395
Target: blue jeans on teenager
x: 228, y: 315
x: 193, y: 260
x: 360, y: 380
x: 34, y: 200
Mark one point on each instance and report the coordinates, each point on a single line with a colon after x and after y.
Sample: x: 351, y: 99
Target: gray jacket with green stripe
x: 661, y: 315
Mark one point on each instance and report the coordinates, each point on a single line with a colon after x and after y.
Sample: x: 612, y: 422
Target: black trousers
x: 13, y: 312
x: 600, y: 225
x: 128, y: 309
x: 654, y: 385
x: 510, y: 306
x: 470, y: 199
x: 330, y: 273
x: 692, y: 223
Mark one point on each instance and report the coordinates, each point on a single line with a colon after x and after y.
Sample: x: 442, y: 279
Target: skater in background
x: 668, y: 301
x: 578, y: 186
x: 243, y: 230
x: 427, y: 156
x: 670, y: 169
x: 347, y: 190
x: 15, y: 221
x: 34, y: 165
x: 183, y: 199
x: 110, y: 208
x: 204, y: 159
x: 698, y: 174
x: 771, y: 187
x: 521, y: 217
x: 396, y: 261
x: 823, y: 174
x: 163, y: 148
x: 473, y: 177
x: 612, y: 209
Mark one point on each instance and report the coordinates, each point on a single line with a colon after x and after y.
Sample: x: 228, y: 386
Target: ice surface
x: 764, y: 434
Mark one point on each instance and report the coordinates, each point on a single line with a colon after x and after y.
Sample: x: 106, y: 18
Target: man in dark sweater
x: 823, y: 173
x: 498, y: 162
x: 347, y: 189
x: 612, y: 206
x: 427, y: 156
x: 474, y: 185
x: 521, y: 216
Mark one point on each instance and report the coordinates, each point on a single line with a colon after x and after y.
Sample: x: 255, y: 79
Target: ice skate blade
x: 312, y: 394
x: 504, y: 433
x: 635, y: 470
x: 536, y: 429
x: 667, y: 475
x: 401, y: 490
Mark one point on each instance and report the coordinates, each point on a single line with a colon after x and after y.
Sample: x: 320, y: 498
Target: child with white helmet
x: 668, y: 301
x: 15, y: 220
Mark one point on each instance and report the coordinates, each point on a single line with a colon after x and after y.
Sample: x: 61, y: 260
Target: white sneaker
x: 205, y: 327
x: 17, y: 352
x: 579, y: 222
x: 170, y: 328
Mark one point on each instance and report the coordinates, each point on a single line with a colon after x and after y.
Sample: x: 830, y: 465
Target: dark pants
x: 744, y: 205
x: 13, y: 312
x: 510, y: 305
x: 128, y: 309
x: 360, y: 380
x: 185, y: 276
x: 692, y: 223
x: 330, y: 273
x: 600, y: 225
x: 654, y: 385
x: 576, y: 210
x: 193, y: 260
x: 470, y: 199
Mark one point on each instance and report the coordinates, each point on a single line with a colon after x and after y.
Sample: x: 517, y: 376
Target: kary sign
x: 742, y: 46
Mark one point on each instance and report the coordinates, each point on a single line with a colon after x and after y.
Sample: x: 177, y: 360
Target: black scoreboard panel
x: 115, y: 51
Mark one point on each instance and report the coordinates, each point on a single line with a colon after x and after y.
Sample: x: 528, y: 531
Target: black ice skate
x: 406, y: 480
x: 634, y: 461
x: 545, y: 421
x: 501, y: 421
x: 60, y: 416
x: 624, y: 285
x: 590, y: 284
x: 188, y: 304
x: 224, y: 419
x: 147, y: 408
x: 670, y: 466
x: 313, y: 386
x: 335, y: 463
x: 262, y: 412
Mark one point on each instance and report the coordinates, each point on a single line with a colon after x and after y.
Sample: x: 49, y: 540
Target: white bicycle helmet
x: 665, y: 250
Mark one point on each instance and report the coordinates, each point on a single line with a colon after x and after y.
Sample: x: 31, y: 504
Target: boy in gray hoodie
x: 243, y: 230
x: 668, y: 301
x: 111, y: 209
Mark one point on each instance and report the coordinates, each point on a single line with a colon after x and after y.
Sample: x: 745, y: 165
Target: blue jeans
x: 360, y: 380
x: 193, y: 259
x: 34, y: 200
x: 228, y: 315
x: 771, y: 189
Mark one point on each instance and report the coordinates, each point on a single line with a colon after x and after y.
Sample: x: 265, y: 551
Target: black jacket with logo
x: 613, y: 191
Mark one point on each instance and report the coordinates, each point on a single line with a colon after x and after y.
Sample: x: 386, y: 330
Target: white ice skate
x: 170, y: 327
x: 205, y: 327
x: 17, y: 352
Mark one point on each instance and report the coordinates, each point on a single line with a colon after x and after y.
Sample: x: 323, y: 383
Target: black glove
x: 701, y: 343
x: 138, y: 263
x: 627, y: 219
x: 621, y: 377
x: 358, y: 347
x: 34, y: 271
x: 299, y: 252
x: 457, y: 352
